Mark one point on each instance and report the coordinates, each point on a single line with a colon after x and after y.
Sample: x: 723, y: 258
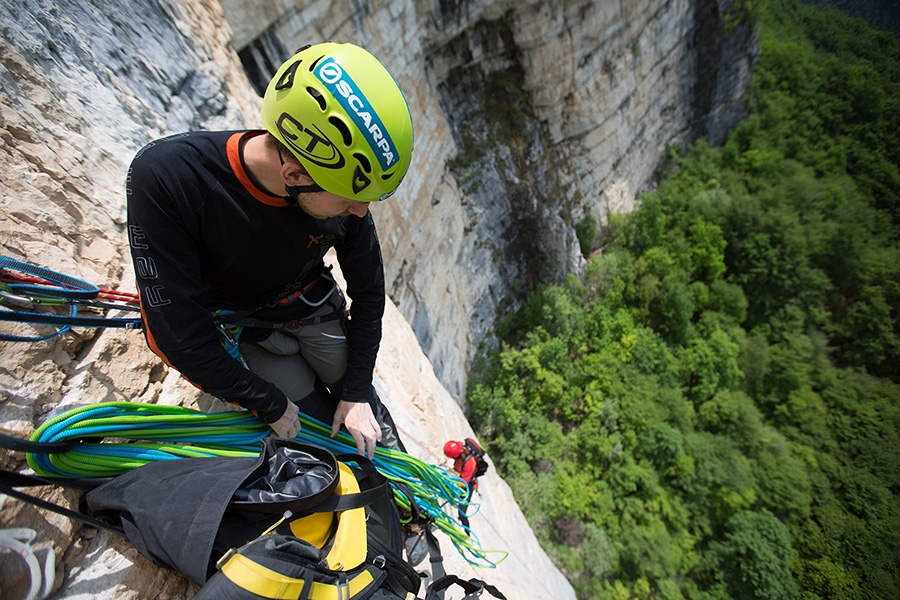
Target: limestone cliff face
x: 533, y: 120
x: 82, y: 88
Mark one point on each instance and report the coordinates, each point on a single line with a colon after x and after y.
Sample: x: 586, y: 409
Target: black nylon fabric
x: 181, y: 514
x: 291, y: 474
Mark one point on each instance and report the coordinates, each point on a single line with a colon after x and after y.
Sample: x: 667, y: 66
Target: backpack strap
x: 472, y: 587
x: 473, y: 447
x: 9, y: 480
x: 434, y: 547
x: 434, y: 552
x: 11, y: 442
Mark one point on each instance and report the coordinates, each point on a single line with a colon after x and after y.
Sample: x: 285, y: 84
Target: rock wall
x: 534, y: 121
x: 82, y: 87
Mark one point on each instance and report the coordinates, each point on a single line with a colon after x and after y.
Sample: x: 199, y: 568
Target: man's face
x: 322, y: 205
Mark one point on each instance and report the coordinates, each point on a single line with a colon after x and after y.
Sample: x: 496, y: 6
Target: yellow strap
x: 349, y: 548
x: 267, y: 583
x: 346, y: 530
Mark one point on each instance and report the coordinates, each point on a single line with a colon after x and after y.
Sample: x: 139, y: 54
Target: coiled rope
x: 145, y: 433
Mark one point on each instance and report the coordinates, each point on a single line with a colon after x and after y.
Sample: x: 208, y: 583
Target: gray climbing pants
x: 300, y: 360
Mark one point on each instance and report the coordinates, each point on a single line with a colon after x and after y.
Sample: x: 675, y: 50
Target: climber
x: 228, y: 231
x: 469, y: 463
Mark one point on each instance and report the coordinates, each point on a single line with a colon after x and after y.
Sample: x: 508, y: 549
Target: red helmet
x: 453, y: 449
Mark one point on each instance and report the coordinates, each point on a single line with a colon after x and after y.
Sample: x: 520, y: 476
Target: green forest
x: 713, y: 410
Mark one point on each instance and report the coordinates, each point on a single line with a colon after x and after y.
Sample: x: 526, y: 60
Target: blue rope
x: 70, y: 287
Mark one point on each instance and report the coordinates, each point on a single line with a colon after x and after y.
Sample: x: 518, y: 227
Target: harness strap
x: 293, y: 324
x: 472, y: 587
x: 244, y: 318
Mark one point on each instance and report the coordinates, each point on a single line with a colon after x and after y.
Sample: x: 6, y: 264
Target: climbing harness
x: 330, y: 294
x: 41, y: 287
x: 303, y: 293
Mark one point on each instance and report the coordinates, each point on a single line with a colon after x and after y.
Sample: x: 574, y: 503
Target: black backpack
x: 478, y: 452
x: 281, y: 564
x: 297, y: 518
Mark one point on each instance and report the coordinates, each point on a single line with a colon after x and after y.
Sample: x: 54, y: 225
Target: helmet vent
x: 343, y: 129
x: 363, y: 162
x: 316, y: 96
x: 312, y: 66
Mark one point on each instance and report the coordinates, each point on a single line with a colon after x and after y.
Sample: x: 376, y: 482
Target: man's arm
x: 468, y: 470
x: 361, y: 265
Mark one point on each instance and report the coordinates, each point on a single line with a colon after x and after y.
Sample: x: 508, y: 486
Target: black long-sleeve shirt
x: 205, y: 237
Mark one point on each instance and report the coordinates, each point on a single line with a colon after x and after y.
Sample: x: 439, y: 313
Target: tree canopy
x: 713, y: 410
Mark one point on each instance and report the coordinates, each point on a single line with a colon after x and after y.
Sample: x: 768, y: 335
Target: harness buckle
x: 301, y: 293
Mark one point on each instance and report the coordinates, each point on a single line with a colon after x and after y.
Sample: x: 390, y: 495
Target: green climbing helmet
x: 345, y: 119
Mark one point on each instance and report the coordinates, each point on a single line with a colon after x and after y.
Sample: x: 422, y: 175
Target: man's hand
x: 357, y: 417
x: 288, y: 426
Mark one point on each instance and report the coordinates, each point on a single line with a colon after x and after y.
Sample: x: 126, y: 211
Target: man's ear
x: 294, y: 175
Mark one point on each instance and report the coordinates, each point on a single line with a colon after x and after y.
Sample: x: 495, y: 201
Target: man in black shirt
x: 228, y: 232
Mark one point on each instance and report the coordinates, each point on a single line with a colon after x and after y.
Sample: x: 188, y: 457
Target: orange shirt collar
x: 237, y: 166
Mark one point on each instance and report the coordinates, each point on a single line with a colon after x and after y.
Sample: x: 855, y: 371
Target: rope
x: 66, y: 286
x: 128, y: 297
x: 19, y: 541
x: 49, y: 288
x: 150, y: 432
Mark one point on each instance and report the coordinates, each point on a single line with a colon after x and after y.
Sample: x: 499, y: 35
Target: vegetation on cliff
x: 713, y: 411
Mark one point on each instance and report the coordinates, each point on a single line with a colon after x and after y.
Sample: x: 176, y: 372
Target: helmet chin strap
x: 294, y: 191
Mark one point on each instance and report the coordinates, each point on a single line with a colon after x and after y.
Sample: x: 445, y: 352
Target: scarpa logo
x: 342, y: 87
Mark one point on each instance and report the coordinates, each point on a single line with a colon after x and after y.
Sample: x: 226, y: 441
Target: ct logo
x: 312, y: 144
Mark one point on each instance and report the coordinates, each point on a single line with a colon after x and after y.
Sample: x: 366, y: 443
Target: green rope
x: 152, y: 432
